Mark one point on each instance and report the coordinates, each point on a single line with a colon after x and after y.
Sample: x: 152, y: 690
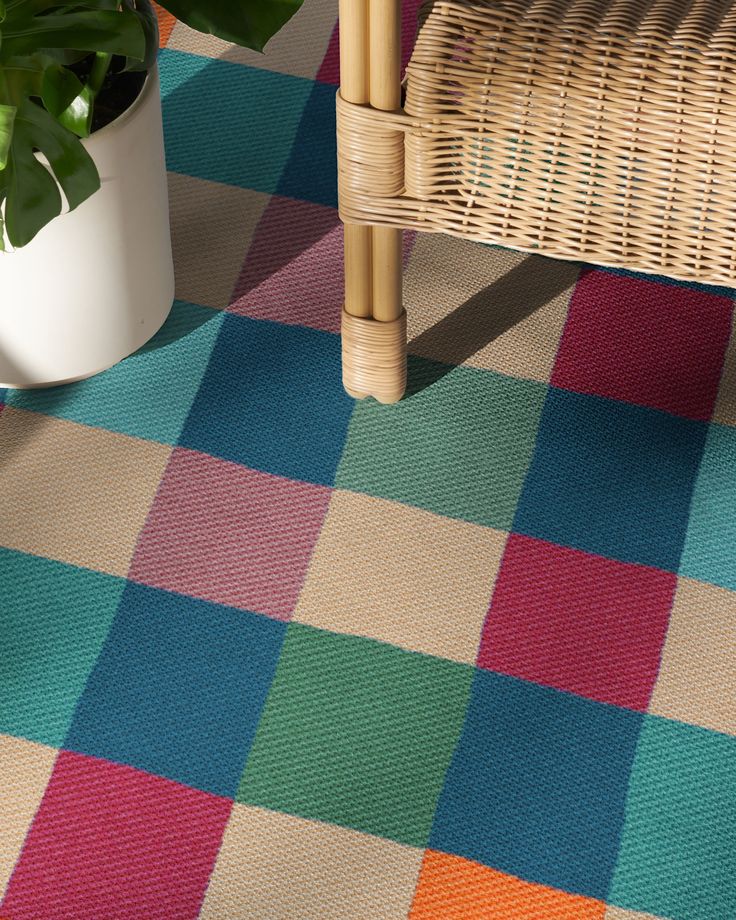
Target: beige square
x: 298, y: 49
x: 212, y: 226
x: 697, y: 676
x: 73, y: 493
x: 280, y: 867
x: 725, y: 410
x: 25, y: 769
x: 401, y: 575
x: 618, y: 913
x: 486, y: 307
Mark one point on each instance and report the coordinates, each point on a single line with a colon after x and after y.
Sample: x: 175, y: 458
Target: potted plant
x: 86, y: 275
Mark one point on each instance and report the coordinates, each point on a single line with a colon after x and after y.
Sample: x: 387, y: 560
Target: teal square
x: 227, y: 122
x: 678, y: 848
x: 710, y: 544
x: 460, y: 447
x: 54, y: 619
x: 149, y: 394
x: 357, y: 733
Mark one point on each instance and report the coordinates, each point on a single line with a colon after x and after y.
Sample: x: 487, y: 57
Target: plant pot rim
x: 149, y: 85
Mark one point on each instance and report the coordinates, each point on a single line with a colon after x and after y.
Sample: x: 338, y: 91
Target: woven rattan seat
x: 601, y: 130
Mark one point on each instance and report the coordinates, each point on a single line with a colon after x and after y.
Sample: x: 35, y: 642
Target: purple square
x: 228, y: 534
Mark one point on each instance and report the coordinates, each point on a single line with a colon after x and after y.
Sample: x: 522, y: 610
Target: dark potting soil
x: 119, y: 90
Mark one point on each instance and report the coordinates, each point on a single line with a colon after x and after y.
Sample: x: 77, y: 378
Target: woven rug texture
x: 270, y: 654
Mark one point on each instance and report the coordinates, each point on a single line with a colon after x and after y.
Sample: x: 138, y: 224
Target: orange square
x: 452, y: 888
x: 166, y: 23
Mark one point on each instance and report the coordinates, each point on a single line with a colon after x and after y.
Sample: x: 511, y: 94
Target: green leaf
x: 28, y: 7
x: 87, y: 30
x: 3, y: 13
x: 59, y: 87
x: 19, y: 78
x: 77, y: 117
x: 7, y: 119
x: 250, y: 23
x: 22, y: 9
x: 73, y: 167
x: 33, y: 197
x: 149, y: 21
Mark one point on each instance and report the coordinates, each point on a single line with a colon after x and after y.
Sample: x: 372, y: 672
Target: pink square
x: 293, y: 271
x: 112, y: 842
x: 225, y: 533
x: 578, y: 622
x: 646, y: 342
x: 329, y: 72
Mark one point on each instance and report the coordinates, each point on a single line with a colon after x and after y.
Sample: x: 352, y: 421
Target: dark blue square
x: 537, y: 784
x: 178, y: 688
x: 311, y: 171
x: 272, y: 399
x: 611, y: 478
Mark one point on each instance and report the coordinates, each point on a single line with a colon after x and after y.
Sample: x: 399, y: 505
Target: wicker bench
x: 601, y: 130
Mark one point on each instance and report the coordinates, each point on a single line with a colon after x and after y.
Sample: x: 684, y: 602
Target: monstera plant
x: 57, y: 59
x: 87, y: 276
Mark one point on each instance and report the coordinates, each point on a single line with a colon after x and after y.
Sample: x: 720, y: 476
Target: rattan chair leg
x: 374, y: 323
x: 374, y: 357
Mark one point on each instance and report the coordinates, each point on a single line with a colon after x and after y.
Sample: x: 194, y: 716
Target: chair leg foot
x: 374, y: 357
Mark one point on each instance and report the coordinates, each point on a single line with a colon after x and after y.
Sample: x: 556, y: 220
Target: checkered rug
x: 266, y: 653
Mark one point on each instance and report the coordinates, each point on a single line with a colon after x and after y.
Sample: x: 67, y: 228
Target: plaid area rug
x: 269, y: 654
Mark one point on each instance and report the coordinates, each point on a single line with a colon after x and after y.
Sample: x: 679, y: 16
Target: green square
x: 678, y: 849
x: 357, y: 733
x: 459, y: 447
x: 54, y: 619
x: 149, y: 394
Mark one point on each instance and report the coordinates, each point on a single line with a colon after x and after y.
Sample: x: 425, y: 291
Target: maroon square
x: 579, y: 622
x: 112, y: 842
x: 646, y: 342
x: 225, y: 533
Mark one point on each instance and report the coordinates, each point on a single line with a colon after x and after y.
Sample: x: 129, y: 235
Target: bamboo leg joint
x: 374, y: 357
x: 373, y: 322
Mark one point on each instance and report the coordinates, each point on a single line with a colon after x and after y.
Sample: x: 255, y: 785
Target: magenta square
x: 646, y: 342
x: 112, y: 842
x: 225, y: 533
x: 294, y: 267
x: 578, y: 622
x: 329, y: 71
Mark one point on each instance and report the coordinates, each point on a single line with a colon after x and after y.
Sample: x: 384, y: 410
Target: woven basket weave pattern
x: 590, y: 129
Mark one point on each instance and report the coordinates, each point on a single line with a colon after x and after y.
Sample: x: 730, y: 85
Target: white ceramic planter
x: 96, y: 283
